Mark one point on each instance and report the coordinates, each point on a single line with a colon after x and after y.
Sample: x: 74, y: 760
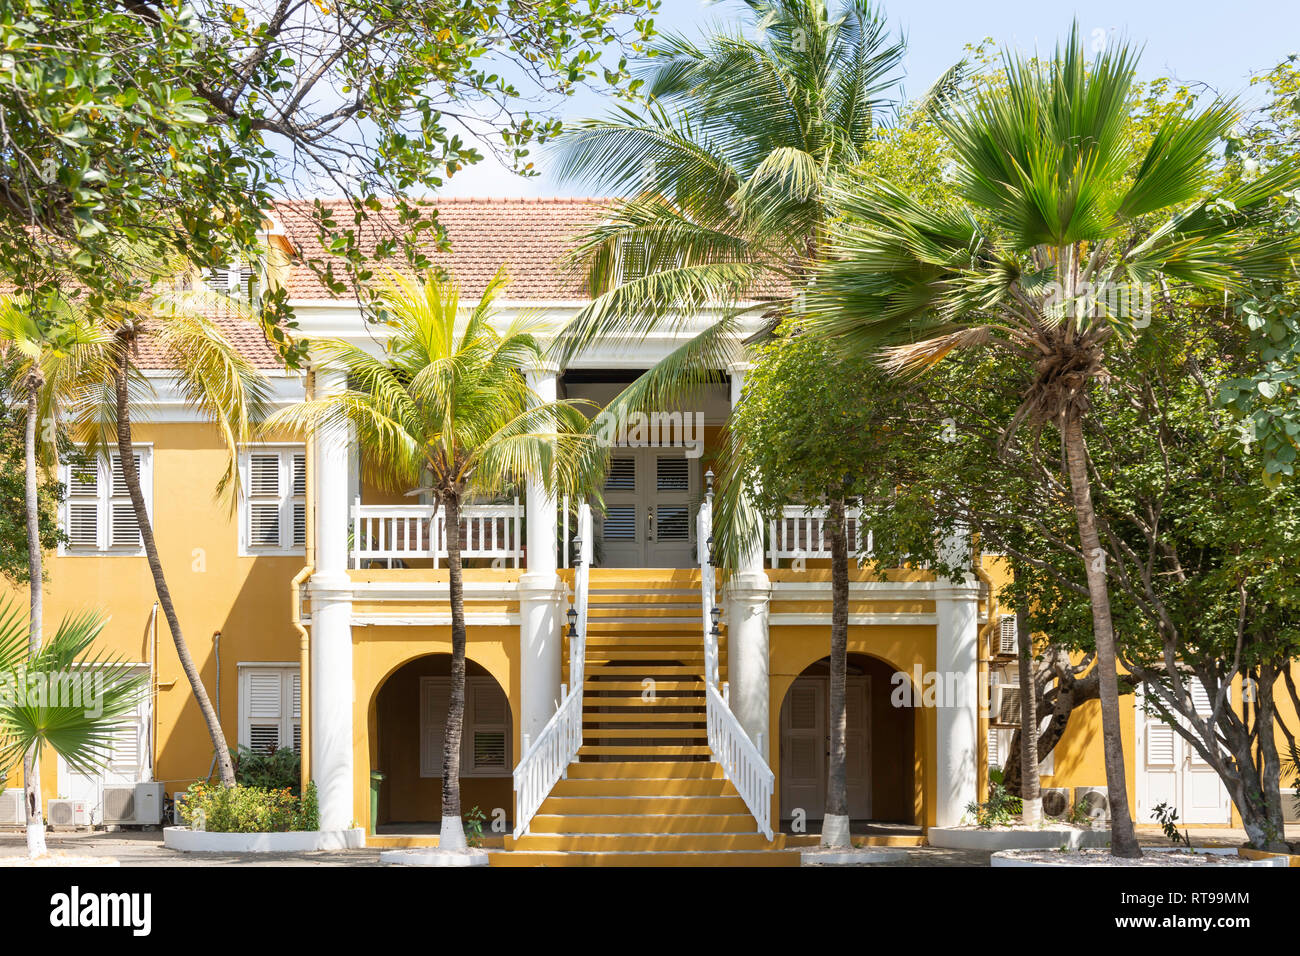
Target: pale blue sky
x: 1219, y: 43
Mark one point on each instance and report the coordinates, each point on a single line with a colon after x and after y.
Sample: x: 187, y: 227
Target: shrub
x: 243, y: 809
x: 1000, y: 809
x: 269, y: 770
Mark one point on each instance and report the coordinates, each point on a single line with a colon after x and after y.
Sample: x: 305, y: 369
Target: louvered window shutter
x: 124, y: 528
x: 435, y: 693
x: 1008, y: 641
x: 276, y: 515
x: 489, y: 736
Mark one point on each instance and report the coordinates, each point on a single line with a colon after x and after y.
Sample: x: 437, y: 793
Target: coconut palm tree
x: 725, y: 173
x: 60, y: 695
x: 175, y: 317
x: 1066, y: 224
x: 39, y: 339
x: 446, y: 408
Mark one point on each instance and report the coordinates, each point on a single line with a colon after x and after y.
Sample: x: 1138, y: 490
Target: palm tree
x: 446, y: 408
x: 726, y: 174
x: 176, y: 317
x: 83, y: 700
x: 38, y: 342
x: 1061, y: 218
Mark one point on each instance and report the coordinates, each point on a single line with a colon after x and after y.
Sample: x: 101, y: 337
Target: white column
x: 331, y: 627
x: 748, y: 637
x: 540, y: 595
x: 957, y: 716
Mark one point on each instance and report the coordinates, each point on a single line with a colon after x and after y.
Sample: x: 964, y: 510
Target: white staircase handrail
x: 546, y: 760
x: 731, y: 747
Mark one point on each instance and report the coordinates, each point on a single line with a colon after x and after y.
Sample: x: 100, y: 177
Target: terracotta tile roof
x: 246, y: 336
x: 528, y: 236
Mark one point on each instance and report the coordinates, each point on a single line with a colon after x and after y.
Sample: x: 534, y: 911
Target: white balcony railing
x: 391, y: 534
x: 804, y: 533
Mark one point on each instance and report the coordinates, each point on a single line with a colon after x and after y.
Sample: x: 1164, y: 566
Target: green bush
x: 243, y: 809
x: 275, y: 770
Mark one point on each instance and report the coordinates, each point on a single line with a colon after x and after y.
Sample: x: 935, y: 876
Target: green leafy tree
x: 1059, y: 206
x: 447, y: 408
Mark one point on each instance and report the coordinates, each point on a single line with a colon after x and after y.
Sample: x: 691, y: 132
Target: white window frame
x: 105, y: 501
x: 431, y: 763
x: 286, y: 499
x: 288, y: 716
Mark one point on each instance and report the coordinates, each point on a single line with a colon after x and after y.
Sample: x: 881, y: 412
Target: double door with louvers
x: 651, y: 495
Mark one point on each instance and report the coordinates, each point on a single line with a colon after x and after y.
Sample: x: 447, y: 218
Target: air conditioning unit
x: 1056, y: 801
x: 1004, y: 703
x: 67, y: 813
x: 13, y: 807
x: 1008, y: 641
x: 133, y: 804
x: 1095, y: 801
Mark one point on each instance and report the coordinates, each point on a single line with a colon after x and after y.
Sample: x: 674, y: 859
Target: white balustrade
x: 740, y: 759
x: 392, y: 533
x: 801, y: 532
x: 546, y: 760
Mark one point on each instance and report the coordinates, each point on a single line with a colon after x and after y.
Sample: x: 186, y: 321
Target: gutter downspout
x: 982, y: 680
x: 153, y: 690
x: 295, y: 605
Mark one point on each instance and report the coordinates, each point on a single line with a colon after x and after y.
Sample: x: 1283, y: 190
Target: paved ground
x: 144, y: 848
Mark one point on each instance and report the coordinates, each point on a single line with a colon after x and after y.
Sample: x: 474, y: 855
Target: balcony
x: 411, y: 536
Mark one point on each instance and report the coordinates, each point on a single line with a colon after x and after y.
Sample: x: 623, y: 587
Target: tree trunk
x: 1273, y: 826
x: 1031, y: 813
x: 126, y: 452
x: 835, y: 823
x: 35, y: 573
x: 451, y: 835
x: 1123, y: 838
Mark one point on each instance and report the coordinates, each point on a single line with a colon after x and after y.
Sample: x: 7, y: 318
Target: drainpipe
x: 295, y: 607
x: 991, y: 603
x: 153, y: 690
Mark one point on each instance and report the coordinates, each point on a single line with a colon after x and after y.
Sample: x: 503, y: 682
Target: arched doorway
x: 879, y: 743
x: 410, y: 713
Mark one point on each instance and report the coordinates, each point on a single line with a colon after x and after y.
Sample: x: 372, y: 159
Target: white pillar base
x: 835, y: 831
x: 540, y: 639
x: 748, y: 646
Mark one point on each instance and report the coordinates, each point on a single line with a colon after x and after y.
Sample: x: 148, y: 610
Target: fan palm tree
x: 446, y: 408
x: 60, y: 695
x: 39, y: 339
x: 1062, y: 219
x: 175, y: 317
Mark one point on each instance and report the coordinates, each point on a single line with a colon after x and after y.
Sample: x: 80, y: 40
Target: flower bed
x: 287, y: 841
x: 255, y: 820
x: 1049, y: 836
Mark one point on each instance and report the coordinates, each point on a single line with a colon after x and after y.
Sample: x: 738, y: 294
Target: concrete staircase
x: 645, y: 791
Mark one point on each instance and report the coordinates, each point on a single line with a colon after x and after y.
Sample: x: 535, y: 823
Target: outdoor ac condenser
x: 1096, y: 800
x: 133, y: 804
x: 1056, y: 801
x: 13, y: 807
x: 67, y: 813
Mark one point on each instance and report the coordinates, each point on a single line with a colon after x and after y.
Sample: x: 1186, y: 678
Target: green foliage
x: 1000, y: 809
x: 473, y: 820
x: 245, y: 809
x: 65, y: 696
x: 1168, y: 819
x: 278, y: 770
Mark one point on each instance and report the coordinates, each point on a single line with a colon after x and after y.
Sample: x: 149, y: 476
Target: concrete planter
x: 1292, y: 859
x: 858, y: 856
x: 432, y: 856
x: 969, y: 838
x: 291, y: 841
x: 1225, y: 857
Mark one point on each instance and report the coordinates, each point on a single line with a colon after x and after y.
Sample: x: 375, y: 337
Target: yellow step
x: 612, y: 610
x: 643, y: 670
x: 636, y: 655
x: 637, y: 704
x: 661, y: 686
x: 603, y: 577
x: 603, y: 627
x: 631, y: 823
x: 661, y: 769
x: 660, y: 751
x: 642, y: 842
x: 595, y: 717
x: 747, y: 858
x: 643, y: 787
x: 612, y: 641
x: 645, y: 733
x: 667, y: 805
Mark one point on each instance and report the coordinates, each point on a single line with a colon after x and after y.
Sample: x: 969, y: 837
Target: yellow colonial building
x: 317, y: 611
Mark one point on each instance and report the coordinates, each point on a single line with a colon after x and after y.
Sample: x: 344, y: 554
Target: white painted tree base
x: 851, y: 857
x: 451, y: 835
x: 36, y: 840
x: 434, y: 856
x: 835, y: 832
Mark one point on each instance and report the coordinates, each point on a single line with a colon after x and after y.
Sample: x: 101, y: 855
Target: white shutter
x: 264, y: 693
x: 264, y: 474
x: 435, y: 694
x: 83, y: 480
x: 83, y: 524
x: 263, y: 525
x: 264, y: 738
x: 1008, y: 642
x: 299, y: 475
x: 299, y: 525
x: 1161, y: 745
x: 995, y: 753
x: 489, y: 727
x: 124, y: 525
